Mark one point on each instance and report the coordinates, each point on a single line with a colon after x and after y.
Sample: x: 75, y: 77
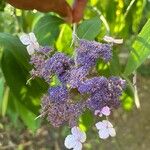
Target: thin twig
x: 128, y: 8
x: 102, y: 18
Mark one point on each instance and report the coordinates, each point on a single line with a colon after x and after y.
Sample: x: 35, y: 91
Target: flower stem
x: 75, y: 41
x: 74, y: 36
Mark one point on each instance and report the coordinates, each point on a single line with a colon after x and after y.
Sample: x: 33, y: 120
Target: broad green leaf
x: 86, y: 120
x: 16, y: 68
x: 89, y: 29
x: 27, y: 116
x: 15, y: 48
x: 63, y: 43
x: 47, y: 29
x: 12, y: 110
x: 127, y: 102
x: 137, y: 14
x: 140, y: 51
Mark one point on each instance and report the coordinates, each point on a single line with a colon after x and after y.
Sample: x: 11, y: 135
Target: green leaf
x: 127, y: 102
x: 15, y: 48
x: 16, y: 68
x: 27, y: 116
x: 140, y: 51
x: 47, y: 29
x: 86, y: 120
x: 89, y: 29
x: 63, y: 43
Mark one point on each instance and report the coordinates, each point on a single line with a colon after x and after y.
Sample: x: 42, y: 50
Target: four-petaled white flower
x: 30, y: 41
x: 75, y: 139
x: 104, y: 111
x: 112, y: 40
x: 105, y: 129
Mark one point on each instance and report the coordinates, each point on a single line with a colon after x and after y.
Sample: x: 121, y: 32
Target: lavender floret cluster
x: 88, y: 52
x: 58, y: 94
x: 59, y: 105
x: 59, y: 112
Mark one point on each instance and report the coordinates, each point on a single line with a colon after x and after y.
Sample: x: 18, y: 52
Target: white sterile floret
x: 30, y: 41
x: 112, y: 40
x: 104, y: 111
x: 105, y: 129
x: 74, y: 141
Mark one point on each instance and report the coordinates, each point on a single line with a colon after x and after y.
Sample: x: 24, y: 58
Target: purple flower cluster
x: 77, y: 76
x: 60, y: 113
x: 46, y: 50
x: 58, y: 94
x: 58, y: 63
x: 103, y: 92
x: 59, y: 105
x: 89, y: 51
x: 38, y: 61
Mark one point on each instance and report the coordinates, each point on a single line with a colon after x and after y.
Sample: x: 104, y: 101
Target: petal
x: 97, y: 112
x: 105, y: 111
x: 80, y: 135
x: 25, y: 39
x: 118, y: 41
x: 100, y: 125
x: 75, y: 130
x: 103, y: 134
x: 32, y: 37
x: 36, y: 45
x: 78, y: 146
x: 112, y: 40
x: 30, y: 49
x: 108, y: 39
x: 70, y: 141
x: 112, y: 132
x: 107, y: 124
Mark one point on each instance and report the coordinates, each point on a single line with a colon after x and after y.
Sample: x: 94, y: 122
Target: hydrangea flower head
x: 105, y: 129
x: 78, y: 87
x: 74, y: 141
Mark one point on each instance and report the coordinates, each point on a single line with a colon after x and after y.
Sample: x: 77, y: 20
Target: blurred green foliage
x: 117, y: 18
